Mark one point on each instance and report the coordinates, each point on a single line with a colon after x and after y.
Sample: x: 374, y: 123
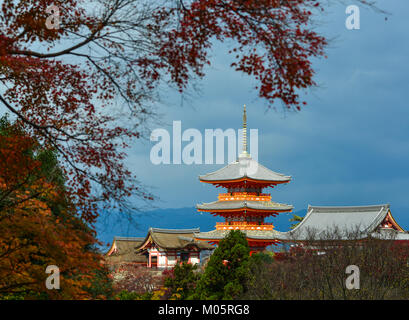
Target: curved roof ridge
x: 234, y: 171
x: 238, y: 204
x: 245, y: 201
x: 378, y: 219
x: 278, y: 173
x: 186, y: 238
x: 171, y: 238
x: 367, y: 218
x: 250, y: 234
x: 210, y: 173
x: 129, y: 238
x: 161, y: 230
x: 309, y: 212
x: 386, y: 205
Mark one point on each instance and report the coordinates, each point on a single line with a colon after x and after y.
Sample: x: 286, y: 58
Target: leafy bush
x: 227, y: 269
x: 182, y: 281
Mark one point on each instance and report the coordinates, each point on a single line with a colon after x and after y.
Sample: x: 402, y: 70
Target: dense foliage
x: 182, y: 281
x: 129, y: 277
x: 311, y: 270
x: 227, y: 269
x: 39, y: 226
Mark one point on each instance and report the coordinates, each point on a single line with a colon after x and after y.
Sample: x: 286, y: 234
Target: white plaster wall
x: 162, y: 259
x: 171, y: 260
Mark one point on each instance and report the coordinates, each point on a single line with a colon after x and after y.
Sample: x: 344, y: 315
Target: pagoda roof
x: 173, y: 239
x: 244, y: 167
x: 250, y: 234
x: 361, y: 221
x: 244, y: 204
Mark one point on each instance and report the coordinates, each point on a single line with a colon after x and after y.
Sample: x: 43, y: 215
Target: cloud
x: 349, y: 146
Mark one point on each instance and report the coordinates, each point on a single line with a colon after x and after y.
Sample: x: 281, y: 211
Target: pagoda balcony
x: 239, y: 196
x: 244, y: 225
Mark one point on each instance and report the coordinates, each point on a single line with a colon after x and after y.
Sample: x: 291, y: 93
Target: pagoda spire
x: 244, y: 151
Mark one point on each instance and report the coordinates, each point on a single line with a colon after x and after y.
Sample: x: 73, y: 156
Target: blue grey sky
x: 349, y: 146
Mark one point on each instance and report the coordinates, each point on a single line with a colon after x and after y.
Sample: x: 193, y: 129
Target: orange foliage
x: 38, y: 228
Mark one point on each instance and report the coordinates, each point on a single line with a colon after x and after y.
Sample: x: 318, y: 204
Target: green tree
x: 227, y: 269
x: 297, y: 219
x: 183, y: 281
x: 261, y: 257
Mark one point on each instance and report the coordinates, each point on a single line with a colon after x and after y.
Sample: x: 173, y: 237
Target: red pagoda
x: 244, y: 206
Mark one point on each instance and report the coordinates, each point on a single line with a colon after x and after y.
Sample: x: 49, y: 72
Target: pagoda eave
x: 252, y: 242
x: 241, y: 210
x: 244, y: 206
x: 267, y: 183
x: 235, y: 213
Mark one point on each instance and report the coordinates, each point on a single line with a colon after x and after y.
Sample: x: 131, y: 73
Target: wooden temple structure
x: 161, y: 248
x: 340, y: 223
x: 244, y: 205
x: 122, y: 251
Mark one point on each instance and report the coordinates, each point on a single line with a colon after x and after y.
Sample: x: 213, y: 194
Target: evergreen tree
x: 297, y: 219
x: 183, y: 281
x: 227, y: 269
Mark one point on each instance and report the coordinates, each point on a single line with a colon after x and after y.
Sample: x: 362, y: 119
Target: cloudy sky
x: 349, y: 146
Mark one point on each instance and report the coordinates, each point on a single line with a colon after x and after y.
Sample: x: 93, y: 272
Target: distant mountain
x: 113, y: 225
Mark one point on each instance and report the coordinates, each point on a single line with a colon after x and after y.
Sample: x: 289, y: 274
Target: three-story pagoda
x: 244, y: 206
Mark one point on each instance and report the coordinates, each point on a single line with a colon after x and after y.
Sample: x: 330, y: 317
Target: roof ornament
x: 244, y: 151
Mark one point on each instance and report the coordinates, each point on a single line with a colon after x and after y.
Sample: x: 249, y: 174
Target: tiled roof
x: 251, y: 234
x: 321, y: 220
x: 125, y: 250
x: 241, y: 204
x: 244, y: 167
x: 174, y: 239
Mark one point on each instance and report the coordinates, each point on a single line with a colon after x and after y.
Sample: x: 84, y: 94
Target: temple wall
x: 162, y: 259
x: 194, y: 260
x: 171, y: 260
